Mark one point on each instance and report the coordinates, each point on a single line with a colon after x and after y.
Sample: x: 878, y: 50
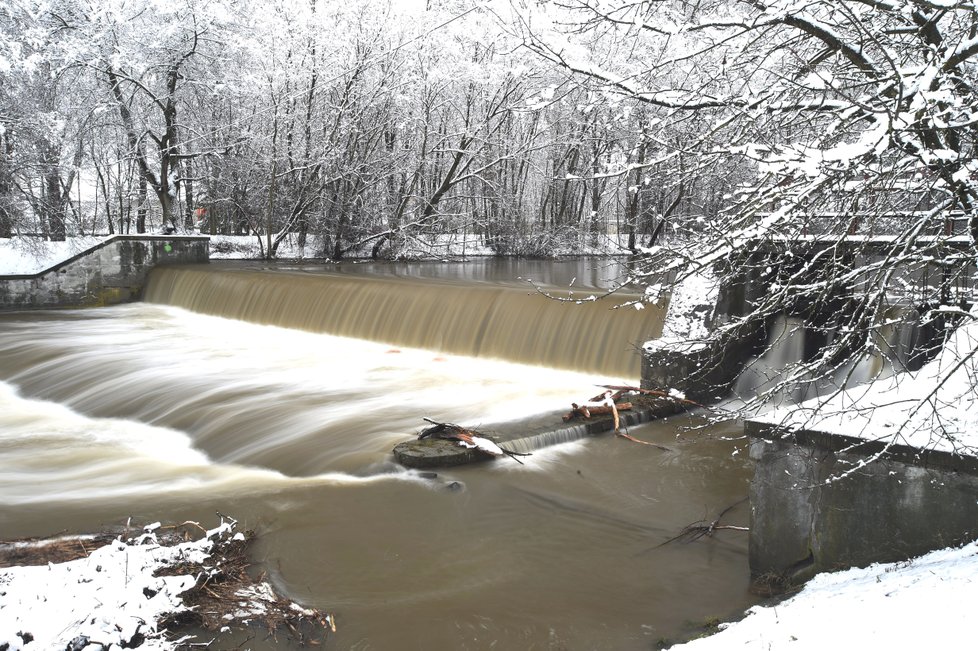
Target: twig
x: 625, y: 435
x: 696, y: 530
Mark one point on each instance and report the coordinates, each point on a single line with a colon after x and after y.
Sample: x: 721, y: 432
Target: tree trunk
x: 141, y: 210
x: 54, y: 212
x: 6, y: 186
x: 188, y: 198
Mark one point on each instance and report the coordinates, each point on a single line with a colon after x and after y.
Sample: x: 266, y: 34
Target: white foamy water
x: 143, y: 398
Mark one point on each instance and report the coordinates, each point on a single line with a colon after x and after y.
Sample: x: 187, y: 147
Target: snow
x: 484, y: 444
x: 24, y: 256
x: 27, y: 256
x: 107, y: 597
x: 234, y: 247
x: 924, y: 603
x: 934, y: 408
x: 691, y: 304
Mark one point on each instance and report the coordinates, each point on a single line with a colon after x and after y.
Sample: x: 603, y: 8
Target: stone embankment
x: 112, y: 272
x: 821, y: 501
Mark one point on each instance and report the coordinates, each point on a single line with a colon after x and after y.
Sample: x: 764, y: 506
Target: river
x: 230, y: 390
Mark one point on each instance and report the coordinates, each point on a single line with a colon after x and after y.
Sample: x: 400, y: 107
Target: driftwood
x: 701, y: 528
x: 586, y: 411
x: 619, y: 390
x: 468, y: 438
x: 606, y: 404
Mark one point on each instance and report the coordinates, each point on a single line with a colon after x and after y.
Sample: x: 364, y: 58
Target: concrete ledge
x: 528, y: 435
x: 924, y: 458
x: 114, y: 271
x: 822, y: 502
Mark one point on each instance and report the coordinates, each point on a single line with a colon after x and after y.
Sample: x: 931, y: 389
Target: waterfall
x: 895, y: 340
x: 786, y: 345
x: 478, y: 320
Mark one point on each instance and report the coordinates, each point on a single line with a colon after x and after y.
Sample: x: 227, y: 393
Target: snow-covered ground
x: 106, y: 600
x: 114, y: 599
x: 247, y: 246
x: 690, y: 311
x: 23, y: 255
x: 925, y: 603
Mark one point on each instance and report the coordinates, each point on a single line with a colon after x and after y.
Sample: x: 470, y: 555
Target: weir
x: 486, y: 321
x: 169, y: 415
x: 525, y: 436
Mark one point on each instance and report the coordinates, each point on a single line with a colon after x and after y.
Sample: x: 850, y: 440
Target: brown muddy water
x: 229, y: 391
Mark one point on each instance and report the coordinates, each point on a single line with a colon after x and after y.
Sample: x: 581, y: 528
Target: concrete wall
x: 806, y: 517
x: 702, y: 374
x: 112, y: 272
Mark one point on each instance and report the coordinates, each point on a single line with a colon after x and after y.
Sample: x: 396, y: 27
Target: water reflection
x: 581, y: 273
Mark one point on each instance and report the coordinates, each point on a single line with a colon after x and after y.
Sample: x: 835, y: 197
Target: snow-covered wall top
x: 113, y: 271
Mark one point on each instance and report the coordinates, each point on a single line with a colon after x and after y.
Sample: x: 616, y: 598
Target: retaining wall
x: 112, y: 272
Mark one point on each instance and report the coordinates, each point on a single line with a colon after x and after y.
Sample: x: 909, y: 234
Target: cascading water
x: 786, y: 345
x: 895, y: 340
x: 155, y: 412
x: 895, y: 343
x: 477, y: 320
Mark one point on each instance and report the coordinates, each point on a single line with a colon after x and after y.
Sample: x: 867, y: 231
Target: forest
x: 367, y: 124
x: 537, y: 125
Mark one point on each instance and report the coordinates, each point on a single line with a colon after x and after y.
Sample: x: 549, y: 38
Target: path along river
x: 226, y: 392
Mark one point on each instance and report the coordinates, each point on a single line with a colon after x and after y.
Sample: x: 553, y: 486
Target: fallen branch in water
x: 605, y: 404
x: 625, y: 435
x: 467, y: 438
x: 701, y: 528
x: 588, y: 410
x: 620, y: 390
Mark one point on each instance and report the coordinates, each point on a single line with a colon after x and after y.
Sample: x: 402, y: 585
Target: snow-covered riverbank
x: 123, y: 594
x: 925, y: 603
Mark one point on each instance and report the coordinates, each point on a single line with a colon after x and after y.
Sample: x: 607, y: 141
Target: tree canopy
x: 846, y: 129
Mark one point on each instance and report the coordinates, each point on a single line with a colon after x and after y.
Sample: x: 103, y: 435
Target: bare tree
x: 850, y: 125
